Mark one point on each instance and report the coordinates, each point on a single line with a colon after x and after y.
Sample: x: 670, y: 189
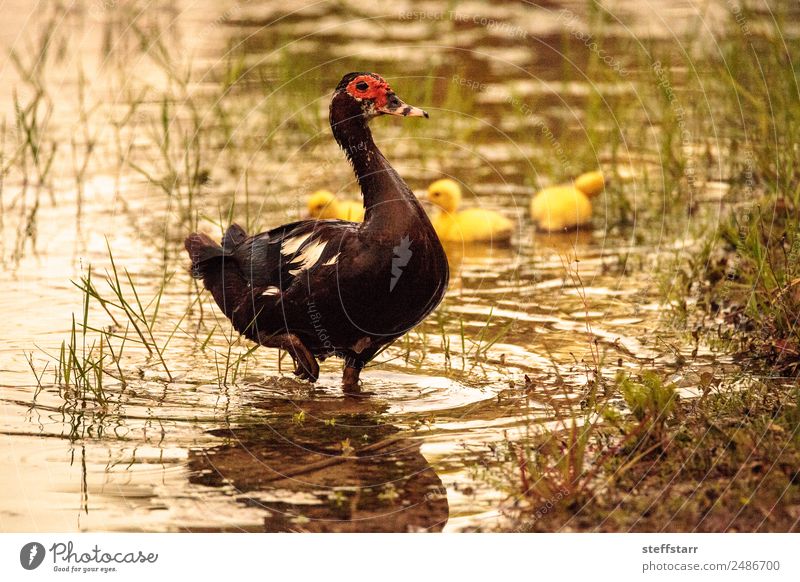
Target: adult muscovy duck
x: 318, y: 288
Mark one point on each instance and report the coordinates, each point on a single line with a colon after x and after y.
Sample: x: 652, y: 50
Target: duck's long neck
x: 371, y: 167
x: 386, y: 196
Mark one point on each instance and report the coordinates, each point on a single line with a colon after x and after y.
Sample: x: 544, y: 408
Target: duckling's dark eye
x: 362, y: 86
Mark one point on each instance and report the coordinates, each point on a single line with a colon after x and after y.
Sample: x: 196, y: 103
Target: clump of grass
x: 725, y: 461
x: 747, y: 271
x: 80, y: 369
x: 37, y: 157
x: 178, y: 171
x: 83, y: 362
x: 651, y: 401
x: 126, y: 306
x: 229, y: 364
x: 33, y: 152
x: 119, y: 333
x: 93, y: 353
x: 562, y: 469
x: 142, y: 317
x: 555, y: 471
x: 760, y: 290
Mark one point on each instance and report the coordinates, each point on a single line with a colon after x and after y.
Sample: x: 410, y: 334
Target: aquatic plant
x: 651, y: 401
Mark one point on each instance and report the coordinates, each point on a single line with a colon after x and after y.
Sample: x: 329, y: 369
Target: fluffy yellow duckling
x: 324, y: 204
x: 566, y: 206
x: 471, y: 225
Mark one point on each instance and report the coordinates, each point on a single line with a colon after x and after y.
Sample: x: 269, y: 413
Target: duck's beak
x: 395, y: 106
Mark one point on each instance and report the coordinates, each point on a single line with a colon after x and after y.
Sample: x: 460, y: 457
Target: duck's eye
x: 362, y: 86
x: 435, y: 194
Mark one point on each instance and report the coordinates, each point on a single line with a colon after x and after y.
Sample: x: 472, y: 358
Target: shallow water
x: 195, y: 448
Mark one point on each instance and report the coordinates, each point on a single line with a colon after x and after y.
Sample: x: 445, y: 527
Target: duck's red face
x: 377, y: 98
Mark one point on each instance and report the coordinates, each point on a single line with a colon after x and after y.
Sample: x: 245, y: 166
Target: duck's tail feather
x: 234, y: 236
x: 203, y: 250
x: 217, y: 266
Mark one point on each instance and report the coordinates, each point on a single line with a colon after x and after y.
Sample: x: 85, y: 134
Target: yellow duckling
x: 471, y: 225
x: 324, y: 204
x: 567, y: 206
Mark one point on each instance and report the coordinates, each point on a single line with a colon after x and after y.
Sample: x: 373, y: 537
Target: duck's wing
x: 278, y: 257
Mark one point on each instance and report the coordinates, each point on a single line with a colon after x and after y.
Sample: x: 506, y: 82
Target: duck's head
x: 590, y: 183
x: 369, y: 95
x: 446, y: 194
x: 320, y: 203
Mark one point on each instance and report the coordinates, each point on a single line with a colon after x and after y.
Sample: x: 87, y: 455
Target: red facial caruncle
x: 369, y: 87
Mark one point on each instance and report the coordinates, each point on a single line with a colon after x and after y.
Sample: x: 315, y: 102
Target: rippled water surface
x: 195, y: 443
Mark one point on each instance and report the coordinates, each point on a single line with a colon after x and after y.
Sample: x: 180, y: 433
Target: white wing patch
x: 308, y: 257
x: 331, y: 261
x: 271, y: 291
x: 290, y: 245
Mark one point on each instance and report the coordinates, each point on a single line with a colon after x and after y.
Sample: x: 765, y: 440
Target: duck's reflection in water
x: 476, y: 264
x: 326, y: 465
x: 565, y: 243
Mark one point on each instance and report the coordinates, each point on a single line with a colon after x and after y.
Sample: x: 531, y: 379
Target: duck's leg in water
x: 350, y: 378
x: 305, y: 365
